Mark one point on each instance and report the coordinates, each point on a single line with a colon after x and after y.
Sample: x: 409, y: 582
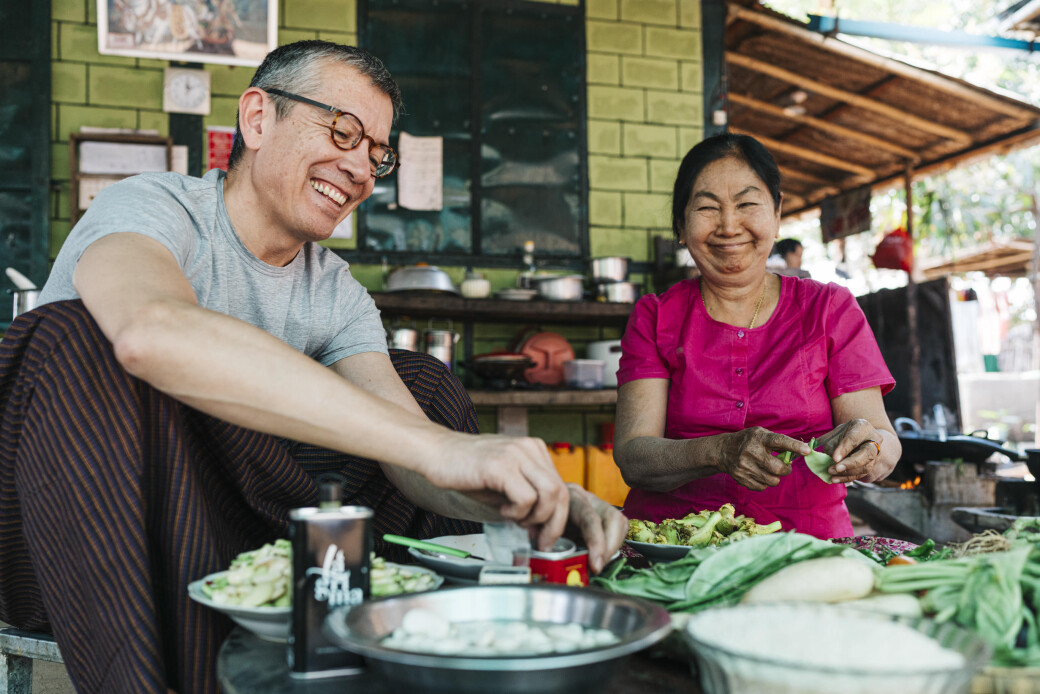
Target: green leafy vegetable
x: 819, y: 462
x: 717, y: 575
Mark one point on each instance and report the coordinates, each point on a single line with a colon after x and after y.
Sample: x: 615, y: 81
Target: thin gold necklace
x: 758, y: 306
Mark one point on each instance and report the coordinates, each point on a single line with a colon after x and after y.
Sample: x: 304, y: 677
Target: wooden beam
x: 808, y: 154
x: 953, y: 87
x: 895, y: 114
x: 788, y: 172
x: 826, y: 126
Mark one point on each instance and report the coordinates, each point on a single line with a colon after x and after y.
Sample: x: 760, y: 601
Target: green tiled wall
x: 644, y: 113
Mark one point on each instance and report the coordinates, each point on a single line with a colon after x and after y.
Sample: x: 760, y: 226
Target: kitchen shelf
x: 526, y: 398
x: 428, y: 304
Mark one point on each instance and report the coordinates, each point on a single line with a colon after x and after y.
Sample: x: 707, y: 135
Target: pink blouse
x: 781, y: 375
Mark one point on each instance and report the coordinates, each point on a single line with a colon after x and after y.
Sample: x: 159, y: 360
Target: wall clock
x: 186, y: 90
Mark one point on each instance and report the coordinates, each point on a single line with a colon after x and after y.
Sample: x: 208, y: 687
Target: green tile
x: 150, y: 63
x: 72, y: 117
x: 92, y: 12
x: 229, y: 80
x: 286, y: 36
x: 69, y: 10
x: 69, y: 82
x: 60, y: 161
x: 618, y: 173
x: 659, y: 141
x: 604, y: 137
x: 604, y: 208
x: 690, y: 14
x: 324, y: 15
x: 602, y: 68
x: 649, y: 11
x: 343, y: 37
x: 80, y: 42
x: 58, y: 233
x: 648, y: 210
x: 630, y: 243
x: 654, y: 73
x: 556, y: 425
x: 662, y: 175
x: 55, y: 39
x: 154, y: 120
x: 673, y: 108
x: 223, y: 110
x: 684, y: 44
x: 370, y: 276
x: 614, y: 37
x: 601, y: 9
x: 691, y: 76
x: 615, y: 103
x: 123, y: 86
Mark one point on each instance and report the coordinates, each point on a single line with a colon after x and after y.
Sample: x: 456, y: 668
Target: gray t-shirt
x: 312, y: 303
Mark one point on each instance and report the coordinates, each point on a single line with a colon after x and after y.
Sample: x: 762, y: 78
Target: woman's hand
x: 748, y: 457
x: 856, y: 449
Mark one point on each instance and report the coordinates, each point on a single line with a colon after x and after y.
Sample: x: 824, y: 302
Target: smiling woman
x: 721, y: 374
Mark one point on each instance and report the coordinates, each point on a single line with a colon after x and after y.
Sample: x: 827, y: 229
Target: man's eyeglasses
x: 382, y: 159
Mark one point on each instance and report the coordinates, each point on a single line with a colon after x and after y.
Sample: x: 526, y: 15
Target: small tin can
x: 565, y: 564
x: 331, y: 549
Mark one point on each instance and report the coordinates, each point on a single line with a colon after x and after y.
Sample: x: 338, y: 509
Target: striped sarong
x: 114, y: 496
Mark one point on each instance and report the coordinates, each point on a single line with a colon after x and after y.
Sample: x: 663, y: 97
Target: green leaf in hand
x: 785, y: 457
x: 819, y: 463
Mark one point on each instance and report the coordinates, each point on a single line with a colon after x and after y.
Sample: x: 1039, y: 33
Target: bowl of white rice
x: 809, y: 648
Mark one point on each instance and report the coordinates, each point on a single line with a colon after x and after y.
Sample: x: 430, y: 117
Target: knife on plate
x: 431, y: 547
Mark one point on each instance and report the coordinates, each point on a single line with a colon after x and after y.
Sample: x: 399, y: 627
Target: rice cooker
x: 609, y: 352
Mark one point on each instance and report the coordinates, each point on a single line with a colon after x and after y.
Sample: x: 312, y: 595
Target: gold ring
x: 876, y: 445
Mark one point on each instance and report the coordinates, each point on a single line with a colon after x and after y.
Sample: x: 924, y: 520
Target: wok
x: 920, y: 446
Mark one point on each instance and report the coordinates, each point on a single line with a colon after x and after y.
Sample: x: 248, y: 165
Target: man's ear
x: 251, y: 116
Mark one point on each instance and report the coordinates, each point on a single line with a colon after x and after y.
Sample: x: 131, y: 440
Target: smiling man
x: 211, y: 293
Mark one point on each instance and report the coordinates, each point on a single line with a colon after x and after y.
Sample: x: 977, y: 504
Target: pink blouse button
x: 740, y: 333
x: 740, y: 404
x: 740, y: 370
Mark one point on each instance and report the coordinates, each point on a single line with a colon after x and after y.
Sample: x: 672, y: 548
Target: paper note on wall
x: 121, y: 158
x: 420, y: 178
x: 90, y: 187
x: 345, y: 229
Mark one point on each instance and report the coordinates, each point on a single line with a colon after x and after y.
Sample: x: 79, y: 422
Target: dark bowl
x: 500, y: 367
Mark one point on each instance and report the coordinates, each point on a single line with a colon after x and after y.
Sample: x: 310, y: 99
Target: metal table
x: 250, y: 665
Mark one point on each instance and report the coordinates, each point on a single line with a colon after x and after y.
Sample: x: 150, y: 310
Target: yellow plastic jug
x: 570, y: 461
x: 602, y: 476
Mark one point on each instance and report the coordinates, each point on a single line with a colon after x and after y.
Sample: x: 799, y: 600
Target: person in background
x: 186, y: 324
x: 786, y: 258
x: 719, y: 375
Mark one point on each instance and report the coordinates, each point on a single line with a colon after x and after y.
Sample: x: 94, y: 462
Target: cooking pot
x: 609, y: 269
x: 616, y: 292
x: 420, y: 277
x: 609, y: 352
x: 500, y: 369
x: 441, y: 344
x: 404, y: 338
x: 559, y: 287
x: 24, y: 300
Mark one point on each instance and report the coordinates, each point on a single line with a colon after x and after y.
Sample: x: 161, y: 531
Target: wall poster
x: 232, y: 32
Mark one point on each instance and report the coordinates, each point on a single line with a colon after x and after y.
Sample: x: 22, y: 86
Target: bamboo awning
x: 837, y: 117
x: 1023, y: 15
x: 1011, y: 258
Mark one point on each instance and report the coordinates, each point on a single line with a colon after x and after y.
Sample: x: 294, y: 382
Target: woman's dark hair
x: 785, y: 246
x: 295, y: 67
x: 744, y: 147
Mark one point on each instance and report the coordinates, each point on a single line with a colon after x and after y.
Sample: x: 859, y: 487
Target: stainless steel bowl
x: 420, y: 278
x: 637, y: 623
x: 610, y: 269
x: 559, y: 287
x: 617, y: 292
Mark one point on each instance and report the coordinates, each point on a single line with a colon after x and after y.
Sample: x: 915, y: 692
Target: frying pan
x: 919, y: 447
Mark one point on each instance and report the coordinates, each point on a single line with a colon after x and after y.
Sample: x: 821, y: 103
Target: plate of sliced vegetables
x: 256, y: 591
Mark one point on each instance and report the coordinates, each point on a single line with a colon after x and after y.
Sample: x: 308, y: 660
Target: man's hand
x: 602, y: 527
x: 524, y: 483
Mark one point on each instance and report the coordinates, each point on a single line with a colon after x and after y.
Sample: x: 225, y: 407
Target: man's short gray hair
x: 295, y: 67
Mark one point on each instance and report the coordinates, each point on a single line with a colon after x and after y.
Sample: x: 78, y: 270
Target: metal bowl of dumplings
x: 636, y: 623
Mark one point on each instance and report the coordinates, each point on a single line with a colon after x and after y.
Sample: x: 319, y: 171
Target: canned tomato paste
x: 565, y: 564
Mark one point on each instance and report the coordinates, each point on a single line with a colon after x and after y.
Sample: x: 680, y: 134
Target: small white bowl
x: 269, y: 623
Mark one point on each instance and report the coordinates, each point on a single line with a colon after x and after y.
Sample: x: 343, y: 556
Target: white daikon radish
x: 896, y: 604
x: 826, y: 579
